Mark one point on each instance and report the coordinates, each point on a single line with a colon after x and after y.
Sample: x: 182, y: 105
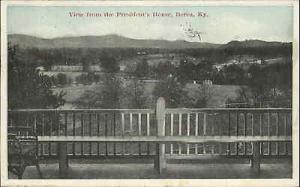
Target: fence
x: 169, y: 133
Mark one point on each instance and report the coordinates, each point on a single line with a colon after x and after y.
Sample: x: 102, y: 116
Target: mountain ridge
x: 117, y: 41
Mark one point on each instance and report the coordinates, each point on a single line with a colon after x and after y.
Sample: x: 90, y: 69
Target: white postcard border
x: 150, y: 182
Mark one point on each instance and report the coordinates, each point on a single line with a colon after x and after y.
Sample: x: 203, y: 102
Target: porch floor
x: 281, y: 168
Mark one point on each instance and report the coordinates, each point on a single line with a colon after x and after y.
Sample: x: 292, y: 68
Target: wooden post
x: 160, y: 160
x: 63, y: 160
x: 255, y: 163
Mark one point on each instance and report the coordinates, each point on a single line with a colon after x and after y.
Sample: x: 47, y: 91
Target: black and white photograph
x: 164, y: 91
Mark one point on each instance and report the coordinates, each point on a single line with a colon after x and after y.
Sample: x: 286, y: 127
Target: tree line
x: 28, y: 88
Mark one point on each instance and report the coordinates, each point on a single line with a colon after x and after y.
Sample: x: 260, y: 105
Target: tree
x: 171, y: 90
x: 142, y: 69
x: 135, y: 93
x: 109, y: 63
x: 267, y: 86
x: 61, y: 79
x: 234, y: 75
x: 197, y: 97
x: 85, y: 65
x: 164, y: 69
x: 105, y: 96
x: 27, y: 87
x: 203, y: 71
x: 187, y: 71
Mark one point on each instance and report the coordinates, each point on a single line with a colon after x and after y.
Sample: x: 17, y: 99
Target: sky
x: 221, y: 24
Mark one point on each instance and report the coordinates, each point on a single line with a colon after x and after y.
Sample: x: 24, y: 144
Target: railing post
x: 63, y: 160
x: 160, y: 160
x: 255, y: 163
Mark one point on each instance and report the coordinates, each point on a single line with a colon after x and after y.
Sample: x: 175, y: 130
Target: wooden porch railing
x: 89, y: 122
x: 161, y: 134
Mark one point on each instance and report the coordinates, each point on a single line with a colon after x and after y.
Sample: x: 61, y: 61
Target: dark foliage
x: 268, y: 86
x: 109, y: 63
x: 142, y: 69
x: 105, y: 96
x: 171, y: 90
x: 27, y: 87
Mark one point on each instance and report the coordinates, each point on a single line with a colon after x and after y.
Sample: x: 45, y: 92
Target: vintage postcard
x: 149, y: 93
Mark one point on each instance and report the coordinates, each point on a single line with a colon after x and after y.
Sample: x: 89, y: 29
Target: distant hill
x: 83, y: 48
x: 106, y: 41
x: 253, y: 44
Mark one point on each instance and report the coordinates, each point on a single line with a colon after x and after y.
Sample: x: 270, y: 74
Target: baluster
x: 130, y: 122
x: 123, y: 131
x: 285, y: 133
x: 82, y: 131
x: 269, y: 133
x: 35, y: 131
x: 90, y: 133
x: 213, y: 133
x: 229, y: 134
x: 237, y: 132
x: 123, y: 123
x: 106, y: 132
x: 196, y: 132
x: 277, y: 132
x: 252, y: 131
x: 220, y: 127
x: 58, y: 123
x: 188, y: 133
x: 43, y: 124
x: 66, y: 123
x: 139, y: 124
x: 148, y: 133
x: 148, y: 124
x: 179, y: 132
x: 252, y: 124
x: 66, y: 128
x: 261, y: 132
x: 43, y: 132
x: 73, y: 144
x: 213, y: 125
x: 140, y: 130
x: 50, y: 133
x: 172, y: 121
x: 114, y: 132
x: 55, y: 128
x: 245, y: 132
x: 131, y: 133
x: 98, y: 133
x: 204, y: 130
x: 27, y: 124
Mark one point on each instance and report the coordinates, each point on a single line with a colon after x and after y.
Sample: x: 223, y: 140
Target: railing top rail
x: 168, y: 110
x: 189, y: 110
x: 85, y: 110
x: 183, y: 139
